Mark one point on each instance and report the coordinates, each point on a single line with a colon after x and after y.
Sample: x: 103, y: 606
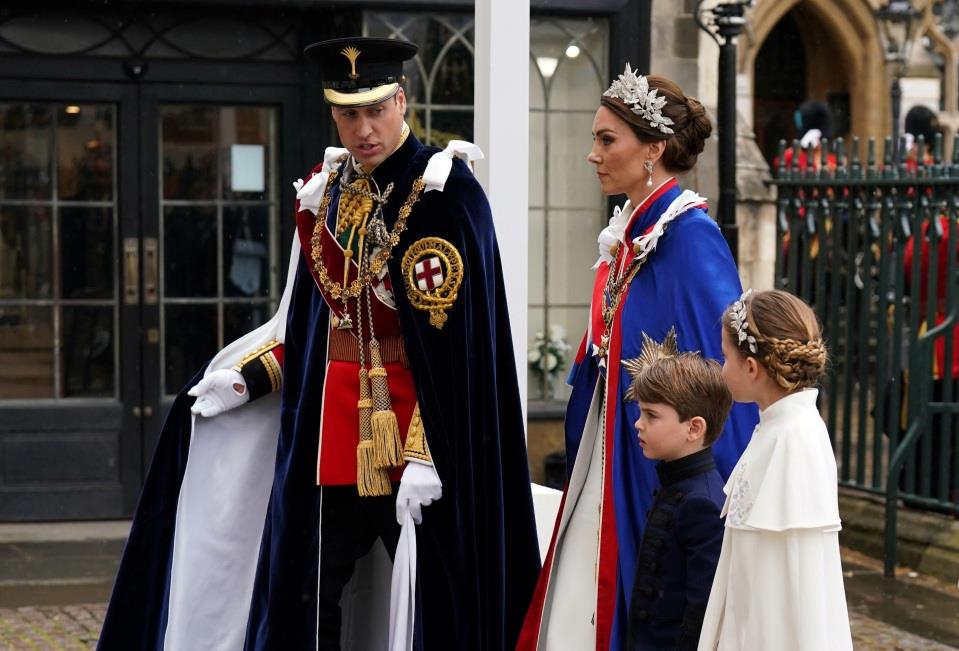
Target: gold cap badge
x: 351, y: 53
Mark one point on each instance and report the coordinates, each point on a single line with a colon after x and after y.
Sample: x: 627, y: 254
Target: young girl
x: 779, y: 580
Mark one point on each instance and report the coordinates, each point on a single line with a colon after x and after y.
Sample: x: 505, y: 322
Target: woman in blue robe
x: 663, y: 264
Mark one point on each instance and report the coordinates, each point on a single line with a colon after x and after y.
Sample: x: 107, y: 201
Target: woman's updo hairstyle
x: 782, y: 334
x: 691, y: 127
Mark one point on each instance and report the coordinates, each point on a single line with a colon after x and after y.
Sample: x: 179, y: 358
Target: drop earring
x: 649, y: 168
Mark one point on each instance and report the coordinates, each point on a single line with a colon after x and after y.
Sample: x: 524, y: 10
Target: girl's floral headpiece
x: 737, y: 316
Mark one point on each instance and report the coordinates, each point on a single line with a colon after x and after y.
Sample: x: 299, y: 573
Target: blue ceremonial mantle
x: 477, y: 549
x: 687, y: 283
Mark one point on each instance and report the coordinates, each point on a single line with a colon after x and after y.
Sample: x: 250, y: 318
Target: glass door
x: 218, y: 214
x: 214, y: 210
x: 65, y: 369
x: 138, y: 234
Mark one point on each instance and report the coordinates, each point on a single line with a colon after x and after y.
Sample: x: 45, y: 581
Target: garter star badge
x: 432, y: 272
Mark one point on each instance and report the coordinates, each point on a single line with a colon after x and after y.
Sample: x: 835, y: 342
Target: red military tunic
x: 339, y: 432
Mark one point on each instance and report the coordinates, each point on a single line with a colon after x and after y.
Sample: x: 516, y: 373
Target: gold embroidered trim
x: 416, y: 447
x: 339, y: 291
x: 270, y: 345
x: 272, y: 370
x: 353, y: 210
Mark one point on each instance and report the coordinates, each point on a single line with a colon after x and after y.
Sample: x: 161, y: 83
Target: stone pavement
x: 75, y: 628
x: 874, y: 635
x: 51, y: 628
x: 913, y: 612
x: 52, y: 597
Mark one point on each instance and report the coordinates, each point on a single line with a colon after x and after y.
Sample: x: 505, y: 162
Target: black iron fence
x: 871, y: 244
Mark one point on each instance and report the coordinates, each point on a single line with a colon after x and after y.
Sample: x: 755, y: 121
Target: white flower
x: 548, y: 356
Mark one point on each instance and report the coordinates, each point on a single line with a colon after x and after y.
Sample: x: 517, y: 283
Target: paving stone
x: 873, y: 635
x: 57, y: 628
x: 51, y: 628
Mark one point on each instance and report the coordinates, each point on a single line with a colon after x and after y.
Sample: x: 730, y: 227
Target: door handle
x: 151, y: 270
x: 131, y: 271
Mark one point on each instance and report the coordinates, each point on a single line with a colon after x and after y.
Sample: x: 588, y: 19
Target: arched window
x: 568, y: 73
x: 439, y: 88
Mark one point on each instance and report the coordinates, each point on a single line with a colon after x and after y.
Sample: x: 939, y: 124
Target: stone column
x: 755, y: 212
x: 501, y: 91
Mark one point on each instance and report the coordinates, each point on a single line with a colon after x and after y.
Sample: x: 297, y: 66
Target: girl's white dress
x: 779, y: 584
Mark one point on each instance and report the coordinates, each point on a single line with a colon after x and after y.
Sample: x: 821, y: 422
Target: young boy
x: 684, y: 403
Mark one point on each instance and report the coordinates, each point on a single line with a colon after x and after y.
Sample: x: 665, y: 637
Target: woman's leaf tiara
x: 634, y: 91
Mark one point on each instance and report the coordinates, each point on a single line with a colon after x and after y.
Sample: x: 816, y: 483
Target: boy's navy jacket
x: 678, y: 555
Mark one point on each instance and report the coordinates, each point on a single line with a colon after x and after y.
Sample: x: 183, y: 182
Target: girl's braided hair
x: 781, y: 333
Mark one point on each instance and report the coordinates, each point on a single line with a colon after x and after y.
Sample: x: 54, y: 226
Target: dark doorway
x: 140, y: 231
x: 780, y: 85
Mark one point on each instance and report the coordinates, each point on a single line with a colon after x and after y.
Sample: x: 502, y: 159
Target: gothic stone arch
x: 849, y: 45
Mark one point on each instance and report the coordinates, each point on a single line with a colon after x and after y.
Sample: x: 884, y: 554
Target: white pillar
x: 501, y: 92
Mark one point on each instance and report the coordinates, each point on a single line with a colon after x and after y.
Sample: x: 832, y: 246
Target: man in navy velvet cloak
x: 382, y: 392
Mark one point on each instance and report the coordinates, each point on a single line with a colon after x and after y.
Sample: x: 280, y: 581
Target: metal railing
x: 867, y: 244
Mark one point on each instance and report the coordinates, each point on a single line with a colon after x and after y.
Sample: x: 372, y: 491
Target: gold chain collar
x: 614, y: 292
x: 341, y: 291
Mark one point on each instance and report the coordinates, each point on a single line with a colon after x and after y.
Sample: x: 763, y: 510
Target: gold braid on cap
x: 651, y: 353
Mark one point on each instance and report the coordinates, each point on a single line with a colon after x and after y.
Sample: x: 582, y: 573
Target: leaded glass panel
x: 58, y: 238
x: 219, y: 211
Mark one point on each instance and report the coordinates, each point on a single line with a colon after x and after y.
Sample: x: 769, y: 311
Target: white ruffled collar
x: 614, y: 234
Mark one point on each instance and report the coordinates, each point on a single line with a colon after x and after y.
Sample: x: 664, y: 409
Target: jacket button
x: 655, y: 492
x: 644, y: 615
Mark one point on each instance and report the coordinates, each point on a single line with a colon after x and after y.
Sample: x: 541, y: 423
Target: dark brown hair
x: 691, y: 126
x: 690, y: 384
x: 788, y: 338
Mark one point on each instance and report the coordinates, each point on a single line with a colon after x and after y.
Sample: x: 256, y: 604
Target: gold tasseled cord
x: 370, y: 480
x: 387, y: 446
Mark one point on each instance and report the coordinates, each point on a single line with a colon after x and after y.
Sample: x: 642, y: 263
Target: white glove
x: 420, y: 486
x: 811, y: 139
x: 218, y: 392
